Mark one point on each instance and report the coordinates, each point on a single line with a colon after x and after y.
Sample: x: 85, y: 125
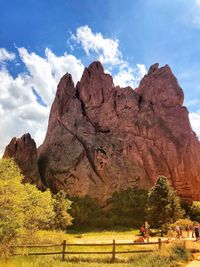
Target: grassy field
x: 155, y: 259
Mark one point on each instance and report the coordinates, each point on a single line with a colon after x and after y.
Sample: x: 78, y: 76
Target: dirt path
x: 194, y: 264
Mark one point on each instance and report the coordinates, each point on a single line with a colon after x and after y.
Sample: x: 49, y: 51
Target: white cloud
x: 129, y: 76
x: 195, y: 121
x: 192, y: 14
x: 106, y: 49
x: 5, y: 55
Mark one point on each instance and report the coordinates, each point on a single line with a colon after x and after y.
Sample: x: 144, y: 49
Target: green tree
x: 62, y: 218
x: 21, y: 206
x: 85, y: 211
x: 195, y: 211
x: 38, y: 208
x: 128, y: 207
x: 11, y: 200
x: 163, y: 205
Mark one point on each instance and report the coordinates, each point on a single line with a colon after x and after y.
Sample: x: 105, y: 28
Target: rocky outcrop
x: 23, y: 150
x: 101, y: 138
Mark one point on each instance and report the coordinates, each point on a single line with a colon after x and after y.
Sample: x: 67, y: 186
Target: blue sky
x: 41, y: 40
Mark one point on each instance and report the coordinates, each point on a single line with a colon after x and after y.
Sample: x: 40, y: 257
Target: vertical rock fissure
x: 85, y: 148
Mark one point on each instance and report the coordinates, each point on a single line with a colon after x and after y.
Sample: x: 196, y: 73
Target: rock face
x: 23, y: 150
x: 101, y: 138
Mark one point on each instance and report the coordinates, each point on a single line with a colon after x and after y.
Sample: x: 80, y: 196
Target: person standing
x: 142, y: 231
x: 187, y: 230
x: 169, y: 232
x: 196, y: 232
x: 178, y: 231
x: 147, y: 228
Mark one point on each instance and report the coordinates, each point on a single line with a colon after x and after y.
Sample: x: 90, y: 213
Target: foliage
x: 85, y: 211
x: 195, y: 211
x: 186, y: 206
x: 163, y: 205
x: 38, y: 208
x: 62, y: 219
x: 183, y: 223
x: 179, y: 252
x: 12, y: 197
x: 128, y: 207
x: 22, y: 207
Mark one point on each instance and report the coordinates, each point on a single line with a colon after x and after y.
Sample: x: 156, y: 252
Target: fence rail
x: 64, y: 245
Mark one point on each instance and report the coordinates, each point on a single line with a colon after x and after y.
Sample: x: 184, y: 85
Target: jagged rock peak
x: 24, y: 151
x: 153, y: 68
x: 95, y: 86
x: 96, y: 66
x: 161, y: 87
x: 65, y: 86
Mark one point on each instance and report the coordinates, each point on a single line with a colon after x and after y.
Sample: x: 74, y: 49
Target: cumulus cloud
x: 107, y: 51
x: 195, y: 121
x: 129, y: 76
x: 5, y: 55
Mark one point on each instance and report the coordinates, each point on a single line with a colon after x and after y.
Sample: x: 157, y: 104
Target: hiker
x: 193, y: 230
x: 196, y: 232
x: 147, y: 228
x: 142, y: 231
x: 188, y: 230
x: 178, y: 231
x: 169, y: 232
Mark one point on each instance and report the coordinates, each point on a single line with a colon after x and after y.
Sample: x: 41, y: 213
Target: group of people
x: 144, y: 230
x: 195, y: 229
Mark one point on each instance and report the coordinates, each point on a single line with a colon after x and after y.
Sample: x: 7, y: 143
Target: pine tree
x: 163, y: 205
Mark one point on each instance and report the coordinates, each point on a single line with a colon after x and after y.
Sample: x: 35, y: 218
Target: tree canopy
x: 163, y: 205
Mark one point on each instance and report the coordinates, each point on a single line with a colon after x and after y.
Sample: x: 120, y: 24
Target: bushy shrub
x: 180, y: 252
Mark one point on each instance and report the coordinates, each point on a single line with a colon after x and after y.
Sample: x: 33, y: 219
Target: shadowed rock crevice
x: 87, y: 152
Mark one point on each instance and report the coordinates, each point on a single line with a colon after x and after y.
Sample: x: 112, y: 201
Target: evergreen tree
x: 163, y: 205
x: 62, y: 218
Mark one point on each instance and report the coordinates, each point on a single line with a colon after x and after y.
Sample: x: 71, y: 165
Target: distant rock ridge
x: 23, y: 150
x: 101, y: 137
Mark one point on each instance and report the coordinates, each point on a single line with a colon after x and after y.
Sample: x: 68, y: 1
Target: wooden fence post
x: 113, y: 251
x: 63, y: 251
x: 159, y: 243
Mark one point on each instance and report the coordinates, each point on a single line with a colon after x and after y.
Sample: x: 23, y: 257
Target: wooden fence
x: 64, y: 245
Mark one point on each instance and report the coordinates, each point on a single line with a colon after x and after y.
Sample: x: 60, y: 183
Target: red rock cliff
x: 23, y: 150
x: 101, y: 138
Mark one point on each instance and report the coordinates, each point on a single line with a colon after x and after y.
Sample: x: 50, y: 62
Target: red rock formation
x: 23, y: 150
x: 101, y: 138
